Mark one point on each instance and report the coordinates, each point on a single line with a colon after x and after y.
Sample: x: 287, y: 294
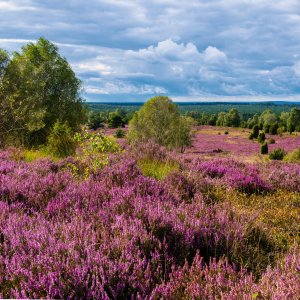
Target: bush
x: 120, y: 133
x: 61, y: 142
x: 261, y: 137
x: 94, y: 121
x: 273, y: 129
x: 264, y: 148
x: 226, y: 132
x: 255, y: 131
x: 271, y: 141
x: 251, y: 136
x: 281, y: 130
x: 277, y: 154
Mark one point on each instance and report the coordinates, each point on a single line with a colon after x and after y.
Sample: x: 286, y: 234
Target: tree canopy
x: 159, y: 120
x: 37, y: 88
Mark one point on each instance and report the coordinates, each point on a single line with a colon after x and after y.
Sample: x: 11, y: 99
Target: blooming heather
x: 120, y: 235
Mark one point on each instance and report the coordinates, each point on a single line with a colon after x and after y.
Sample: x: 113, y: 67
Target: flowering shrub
x: 231, y: 173
x: 119, y: 234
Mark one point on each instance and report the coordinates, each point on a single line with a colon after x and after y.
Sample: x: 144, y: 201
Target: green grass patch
x: 157, y: 169
x: 33, y: 155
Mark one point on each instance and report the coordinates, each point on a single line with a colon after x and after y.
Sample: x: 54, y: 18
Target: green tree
x: 94, y: 120
x: 232, y: 118
x: 221, y: 120
x: 293, y: 122
x: 284, y: 116
x: 253, y: 121
x: 267, y: 119
x: 39, y: 89
x: 116, y: 119
x: 5, y: 113
x: 159, y: 120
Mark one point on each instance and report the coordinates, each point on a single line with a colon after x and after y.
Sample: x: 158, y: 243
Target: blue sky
x: 190, y: 50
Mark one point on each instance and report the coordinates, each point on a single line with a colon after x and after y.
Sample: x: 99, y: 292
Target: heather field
x: 140, y: 222
x: 211, y: 141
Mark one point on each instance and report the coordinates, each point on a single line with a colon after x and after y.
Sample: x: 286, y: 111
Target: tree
x: 115, y: 119
x: 94, y: 120
x: 233, y: 118
x: 221, y: 120
x: 4, y: 105
x: 267, y: 119
x: 39, y: 89
x: 159, y: 120
x: 293, y: 122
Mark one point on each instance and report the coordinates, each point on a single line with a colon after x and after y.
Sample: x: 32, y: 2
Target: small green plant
x: 94, y: 150
x: 226, y: 132
x: 272, y: 141
x: 119, y: 133
x: 251, y: 136
x: 261, y: 137
x: 61, y: 142
x: 264, y: 148
x: 277, y: 154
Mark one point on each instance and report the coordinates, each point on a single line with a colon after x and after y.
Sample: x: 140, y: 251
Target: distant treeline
x: 270, y: 121
x: 246, y: 109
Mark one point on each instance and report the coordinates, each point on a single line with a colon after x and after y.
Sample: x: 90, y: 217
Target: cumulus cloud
x: 195, y: 47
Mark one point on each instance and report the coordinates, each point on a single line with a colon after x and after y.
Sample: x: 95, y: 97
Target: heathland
x: 150, y: 203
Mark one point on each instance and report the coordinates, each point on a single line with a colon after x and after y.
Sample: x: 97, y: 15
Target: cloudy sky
x: 130, y: 50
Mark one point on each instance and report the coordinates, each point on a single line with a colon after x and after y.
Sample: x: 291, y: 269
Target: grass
x: 33, y: 155
x: 157, y: 169
x: 278, y: 212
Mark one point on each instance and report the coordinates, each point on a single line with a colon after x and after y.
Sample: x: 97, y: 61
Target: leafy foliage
x: 277, y: 154
x: 38, y: 88
x: 159, y: 120
x: 61, y: 142
x: 264, y: 148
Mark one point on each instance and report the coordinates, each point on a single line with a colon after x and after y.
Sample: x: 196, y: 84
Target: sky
x: 195, y: 50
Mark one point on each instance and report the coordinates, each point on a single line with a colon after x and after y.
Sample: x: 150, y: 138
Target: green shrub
x: 226, y: 132
x: 272, y: 141
x: 61, y: 142
x: 94, y: 121
x: 277, y: 154
x: 281, y: 130
x: 251, y: 136
x: 264, y: 148
x: 255, y: 131
x: 261, y: 137
x: 273, y: 128
x: 120, y: 133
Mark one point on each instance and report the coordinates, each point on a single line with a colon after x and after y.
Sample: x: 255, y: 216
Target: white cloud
x: 118, y: 87
x: 214, y: 55
x: 14, y: 6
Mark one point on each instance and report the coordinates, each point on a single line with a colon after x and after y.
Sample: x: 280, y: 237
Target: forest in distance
x: 245, y: 108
